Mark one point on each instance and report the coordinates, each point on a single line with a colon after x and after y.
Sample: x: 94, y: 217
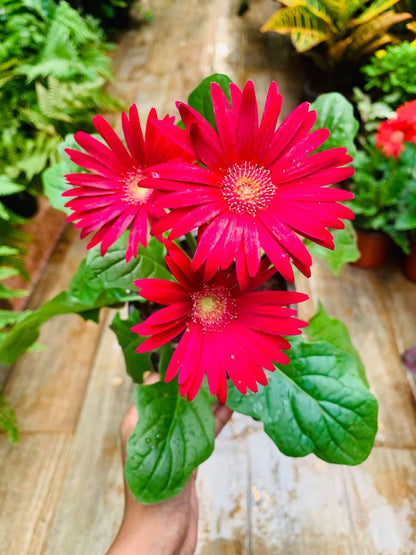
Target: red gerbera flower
x: 228, y: 332
x: 111, y: 198
x: 261, y: 187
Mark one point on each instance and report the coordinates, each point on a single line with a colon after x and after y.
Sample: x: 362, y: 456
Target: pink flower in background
x: 227, y: 332
x: 111, y: 198
x: 259, y: 189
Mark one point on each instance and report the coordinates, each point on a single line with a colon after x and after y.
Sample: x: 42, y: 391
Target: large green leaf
x: 305, y: 28
x: 112, y: 275
x: 200, y: 98
x: 323, y: 327
x: 99, y: 281
x: 171, y: 438
x: 138, y: 363
x: 318, y: 404
x: 345, y: 250
x: 337, y: 114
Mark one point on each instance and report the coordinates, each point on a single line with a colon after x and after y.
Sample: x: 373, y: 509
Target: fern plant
x: 53, y: 66
x: 336, y: 31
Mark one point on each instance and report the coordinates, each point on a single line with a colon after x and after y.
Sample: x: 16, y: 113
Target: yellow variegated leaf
x: 337, y: 50
x: 377, y: 43
x: 411, y: 26
x: 376, y: 8
x: 306, y: 30
x: 368, y: 32
x: 316, y: 7
x: 343, y: 9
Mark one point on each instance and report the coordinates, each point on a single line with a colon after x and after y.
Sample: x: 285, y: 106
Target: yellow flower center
x: 248, y: 188
x: 132, y: 192
x: 213, y: 308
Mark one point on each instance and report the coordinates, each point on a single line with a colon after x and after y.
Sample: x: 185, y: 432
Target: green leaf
x: 138, y: 363
x: 9, y: 187
x: 54, y: 184
x: 10, y: 293
x: 9, y: 317
x: 345, y: 250
x: 315, y: 404
x: 336, y: 114
x: 171, y: 438
x: 7, y: 251
x: 99, y: 281
x: 6, y: 272
x: 8, y: 419
x: 323, y: 327
x: 200, y: 98
x: 112, y: 277
x: 53, y: 178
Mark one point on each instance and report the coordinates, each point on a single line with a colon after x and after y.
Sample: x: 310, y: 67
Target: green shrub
x: 393, y: 71
x: 385, y: 193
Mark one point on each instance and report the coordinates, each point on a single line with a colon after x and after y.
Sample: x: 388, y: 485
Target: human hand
x: 169, y: 527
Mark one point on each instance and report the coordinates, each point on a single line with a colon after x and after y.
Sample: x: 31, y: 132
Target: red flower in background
x: 390, y: 137
x: 228, y: 332
x: 407, y: 113
x: 259, y: 189
x: 393, y: 133
x: 110, y: 198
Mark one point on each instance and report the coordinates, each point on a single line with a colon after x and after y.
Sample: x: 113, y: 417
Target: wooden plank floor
x: 61, y: 488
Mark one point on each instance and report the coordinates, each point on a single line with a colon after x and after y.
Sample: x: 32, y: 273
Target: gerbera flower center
x: 132, y: 192
x: 248, y: 188
x: 213, y: 308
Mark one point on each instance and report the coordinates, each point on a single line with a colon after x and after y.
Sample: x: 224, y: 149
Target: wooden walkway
x: 61, y: 488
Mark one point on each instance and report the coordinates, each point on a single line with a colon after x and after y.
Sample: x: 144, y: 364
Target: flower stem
x: 191, y: 241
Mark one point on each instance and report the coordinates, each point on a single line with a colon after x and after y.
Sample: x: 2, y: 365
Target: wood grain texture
x: 47, y: 387
x: 30, y: 481
x: 91, y: 503
x: 223, y: 486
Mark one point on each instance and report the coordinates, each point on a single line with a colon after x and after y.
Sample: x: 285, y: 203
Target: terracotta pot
x: 373, y: 246
x: 410, y: 263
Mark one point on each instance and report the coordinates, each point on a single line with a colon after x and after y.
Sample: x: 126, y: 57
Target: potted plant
x: 336, y: 36
x: 239, y: 191
x: 384, y: 186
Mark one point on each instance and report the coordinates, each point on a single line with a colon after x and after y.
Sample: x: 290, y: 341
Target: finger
x: 151, y: 377
x: 222, y: 415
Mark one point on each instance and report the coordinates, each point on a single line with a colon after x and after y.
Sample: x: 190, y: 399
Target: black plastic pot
x: 23, y: 204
